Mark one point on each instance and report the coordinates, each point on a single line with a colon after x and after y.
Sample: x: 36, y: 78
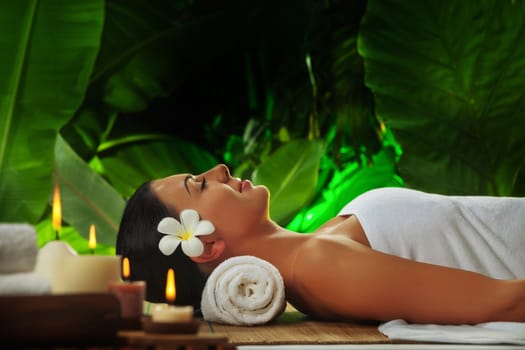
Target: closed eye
x: 186, y: 183
x: 190, y: 177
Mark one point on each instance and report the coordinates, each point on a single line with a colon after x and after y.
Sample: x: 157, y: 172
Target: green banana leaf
x: 447, y: 77
x: 135, y: 63
x: 48, y: 49
x: 86, y: 197
x: 291, y: 174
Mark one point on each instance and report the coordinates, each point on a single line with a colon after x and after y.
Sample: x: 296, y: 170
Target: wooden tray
x: 59, y: 320
x: 175, y: 341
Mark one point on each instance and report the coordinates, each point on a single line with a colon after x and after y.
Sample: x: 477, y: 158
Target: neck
x: 264, y: 240
x: 275, y: 244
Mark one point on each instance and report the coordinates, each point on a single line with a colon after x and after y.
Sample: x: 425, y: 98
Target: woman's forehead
x: 168, y: 183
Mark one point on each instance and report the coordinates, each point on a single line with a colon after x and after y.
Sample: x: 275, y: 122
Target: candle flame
x: 171, y: 291
x: 125, y: 268
x: 92, y: 238
x: 56, y: 216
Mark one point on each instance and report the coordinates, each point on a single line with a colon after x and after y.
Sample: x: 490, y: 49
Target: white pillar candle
x: 171, y: 313
x: 49, y: 262
x: 89, y: 273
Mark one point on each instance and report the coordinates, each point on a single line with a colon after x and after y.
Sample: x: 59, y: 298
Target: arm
x: 354, y: 281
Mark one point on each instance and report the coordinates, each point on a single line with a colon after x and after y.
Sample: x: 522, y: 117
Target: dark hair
x: 138, y: 240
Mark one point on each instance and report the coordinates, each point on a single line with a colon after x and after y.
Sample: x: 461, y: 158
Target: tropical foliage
x: 319, y: 101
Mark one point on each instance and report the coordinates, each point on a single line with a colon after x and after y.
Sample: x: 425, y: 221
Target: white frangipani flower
x: 184, y: 233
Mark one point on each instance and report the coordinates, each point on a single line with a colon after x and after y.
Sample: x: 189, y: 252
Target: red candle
x: 130, y: 294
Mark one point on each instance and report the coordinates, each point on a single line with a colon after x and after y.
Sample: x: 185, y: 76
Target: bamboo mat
x: 292, y: 327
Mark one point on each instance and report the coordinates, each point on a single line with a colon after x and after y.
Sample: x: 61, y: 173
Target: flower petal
x: 204, y: 227
x: 170, y: 226
x: 189, y: 219
x: 192, y: 247
x: 168, y: 244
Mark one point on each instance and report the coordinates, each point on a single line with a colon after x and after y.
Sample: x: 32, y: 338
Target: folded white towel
x: 24, y: 283
x: 18, y: 248
x: 243, y: 290
x: 482, y: 333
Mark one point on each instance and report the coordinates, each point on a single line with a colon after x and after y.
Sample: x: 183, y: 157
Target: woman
x: 335, y: 272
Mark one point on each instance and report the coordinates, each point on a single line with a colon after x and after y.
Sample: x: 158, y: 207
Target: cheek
x: 236, y: 214
x: 223, y: 215
x: 218, y: 208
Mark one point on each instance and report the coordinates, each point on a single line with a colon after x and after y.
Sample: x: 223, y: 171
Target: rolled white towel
x: 18, y: 248
x: 243, y: 290
x: 24, y: 283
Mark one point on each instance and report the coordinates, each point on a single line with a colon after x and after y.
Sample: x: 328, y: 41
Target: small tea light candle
x: 130, y: 294
x: 171, y: 313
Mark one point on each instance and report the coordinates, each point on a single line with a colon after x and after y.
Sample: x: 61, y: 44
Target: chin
x: 267, y: 194
x: 264, y: 189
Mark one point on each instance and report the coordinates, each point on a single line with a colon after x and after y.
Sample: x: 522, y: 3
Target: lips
x: 245, y: 184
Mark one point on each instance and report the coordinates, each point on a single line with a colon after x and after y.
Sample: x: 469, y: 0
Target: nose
x: 219, y: 172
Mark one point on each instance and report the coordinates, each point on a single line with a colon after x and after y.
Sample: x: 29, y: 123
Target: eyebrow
x: 186, y: 183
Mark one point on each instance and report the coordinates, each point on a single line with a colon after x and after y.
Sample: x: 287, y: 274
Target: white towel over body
x: 477, y: 233
x: 243, y: 290
x: 18, y: 248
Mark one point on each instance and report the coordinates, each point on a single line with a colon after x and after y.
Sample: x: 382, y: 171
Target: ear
x: 212, y: 250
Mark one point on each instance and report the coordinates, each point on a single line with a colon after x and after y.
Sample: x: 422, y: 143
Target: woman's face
x: 234, y: 206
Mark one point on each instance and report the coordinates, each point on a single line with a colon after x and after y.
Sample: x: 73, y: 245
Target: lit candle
x: 130, y: 294
x: 126, y: 269
x: 56, y: 213
x: 92, y: 243
x: 170, y: 291
x: 171, y: 313
x: 50, y: 257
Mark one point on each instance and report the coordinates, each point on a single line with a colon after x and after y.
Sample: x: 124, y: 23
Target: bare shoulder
x: 346, y: 226
x: 324, y: 248
x: 323, y: 271
x: 320, y: 259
